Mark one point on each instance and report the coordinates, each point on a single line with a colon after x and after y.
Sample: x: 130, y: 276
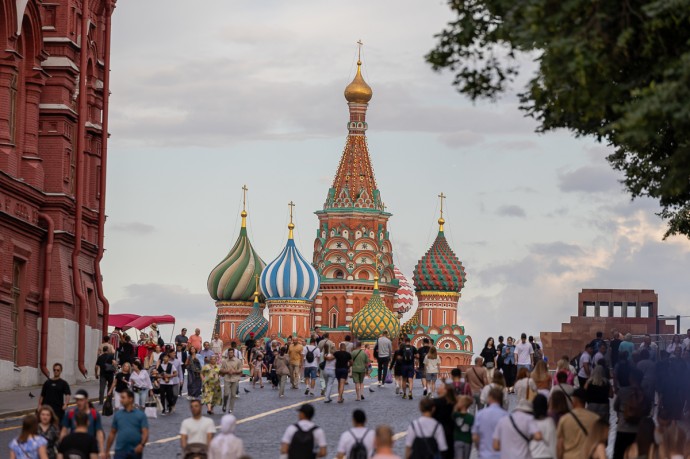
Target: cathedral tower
x: 353, y: 228
x: 232, y: 282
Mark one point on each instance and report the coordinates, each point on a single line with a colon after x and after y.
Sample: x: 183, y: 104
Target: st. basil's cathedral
x: 352, y: 286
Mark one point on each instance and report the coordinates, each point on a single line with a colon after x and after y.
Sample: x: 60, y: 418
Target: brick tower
x: 290, y: 284
x: 438, y: 278
x: 352, y: 229
x: 232, y: 283
x: 54, y: 88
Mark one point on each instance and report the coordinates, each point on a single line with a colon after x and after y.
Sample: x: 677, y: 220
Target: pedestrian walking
x: 462, y: 428
x: 196, y: 432
x: 258, y: 367
x: 195, y: 340
x: 477, y: 378
x: 357, y: 441
x: 425, y: 437
x: 29, y: 444
x: 329, y: 375
x: 383, y: 351
x: 226, y: 445
x: 211, y: 393
x: 485, y: 423
x: 514, y: 433
x: 120, y: 384
x: 585, y: 366
x: 409, y: 355
x: 311, y: 356
x: 509, y: 363
x: 295, y: 357
x: 282, y: 368
x: 489, y: 354
x: 383, y: 442
x: 524, y: 354
x: 420, y: 372
x: 166, y: 373
x: 573, y: 428
x: 546, y: 447
x: 444, y: 405
x: 499, y: 383
x: 182, y: 339
x: 194, y: 366
x: 94, y: 427
x: 49, y: 428
x: 217, y: 345
x: 231, y: 370
x: 525, y: 388
x: 55, y: 392
x: 80, y: 443
x: 431, y: 366
x: 106, y: 366
x: 304, y: 439
x: 396, y: 366
x: 360, y: 364
x: 597, y: 441
x: 140, y: 384
x: 343, y: 361
x: 599, y: 392
x: 130, y: 429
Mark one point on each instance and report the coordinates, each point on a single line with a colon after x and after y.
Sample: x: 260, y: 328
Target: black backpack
x: 310, y: 355
x: 408, y: 355
x: 358, y: 451
x: 302, y: 444
x: 424, y: 447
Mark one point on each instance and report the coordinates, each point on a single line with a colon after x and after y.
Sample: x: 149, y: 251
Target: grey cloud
x: 556, y: 249
x: 589, y: 179
x: 511, y: 210
x: 460, y: 139
x: 133, y: 227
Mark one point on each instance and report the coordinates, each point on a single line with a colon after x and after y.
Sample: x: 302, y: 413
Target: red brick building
x: 54, y: 86
x: 628, y: 311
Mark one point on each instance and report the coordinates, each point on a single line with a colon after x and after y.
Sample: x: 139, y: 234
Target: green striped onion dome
x: 233, y: 278
x: 373, y: 319
x: 254, y: 323
x: 410, y: 325
x: 439, y: 270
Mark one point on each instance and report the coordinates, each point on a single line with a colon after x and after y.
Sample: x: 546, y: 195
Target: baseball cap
x: 81, y: 394
x: 307, y: 409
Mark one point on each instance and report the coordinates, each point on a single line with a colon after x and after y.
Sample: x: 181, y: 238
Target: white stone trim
x: 59, y: 61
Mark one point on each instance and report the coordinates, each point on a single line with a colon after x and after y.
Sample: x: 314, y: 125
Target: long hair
x: 487, y: 342
x: 598, y: 377
x: 29, y: 428
x: 598, y: 434
x: 450, y: 394
x: 540, y: 372
x: 521, y: 374
x: 563, y: 364
x: 53, y: 417
x: 433, y: 353
x: 499, y: 379
x: 558, y: 404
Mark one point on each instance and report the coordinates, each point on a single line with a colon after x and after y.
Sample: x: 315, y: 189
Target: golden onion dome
x: 358, y: 92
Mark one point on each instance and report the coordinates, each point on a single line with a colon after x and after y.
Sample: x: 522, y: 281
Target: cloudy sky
x: 212, y: 96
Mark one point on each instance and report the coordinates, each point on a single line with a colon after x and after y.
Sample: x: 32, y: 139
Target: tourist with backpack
x: 311, y: 355
x: 409, y: 354
x: 425, y: 438
x: 357, y: 442
x: 304, y: 439
x: 94, y: 428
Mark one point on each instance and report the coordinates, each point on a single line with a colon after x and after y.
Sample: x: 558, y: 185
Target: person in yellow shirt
x: 574, y: 427
x: 295, y: 358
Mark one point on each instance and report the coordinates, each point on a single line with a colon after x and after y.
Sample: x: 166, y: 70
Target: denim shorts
x: 431, y: 376
x: 310, y: 372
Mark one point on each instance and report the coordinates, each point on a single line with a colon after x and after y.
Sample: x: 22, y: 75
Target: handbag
x: 389, y: 378
x: 108, y: 406
x: 151, y: 407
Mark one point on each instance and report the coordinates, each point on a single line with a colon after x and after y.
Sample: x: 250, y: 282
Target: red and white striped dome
x: 404, y: 298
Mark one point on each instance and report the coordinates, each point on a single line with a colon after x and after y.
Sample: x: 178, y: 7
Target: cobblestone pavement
x: 263, y: 418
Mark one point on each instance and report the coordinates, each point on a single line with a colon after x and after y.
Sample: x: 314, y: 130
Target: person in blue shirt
x: 485, y: 424
x: 130, y: 428
x: 95, y: 428
x: 509, y: 363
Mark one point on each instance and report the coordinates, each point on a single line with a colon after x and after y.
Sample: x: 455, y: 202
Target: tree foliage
x: 615, y: 69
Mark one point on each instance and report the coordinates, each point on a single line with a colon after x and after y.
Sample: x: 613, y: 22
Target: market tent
x: 121, y: 320
x: 145, y: 321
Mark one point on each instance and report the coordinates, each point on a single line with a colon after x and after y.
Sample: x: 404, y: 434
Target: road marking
x: 256, y: 416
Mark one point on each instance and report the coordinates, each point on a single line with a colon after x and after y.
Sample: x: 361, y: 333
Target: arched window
x: 444, y: 317
x: 334, y: 320
x: 363, y: 275
x: 339, y: 274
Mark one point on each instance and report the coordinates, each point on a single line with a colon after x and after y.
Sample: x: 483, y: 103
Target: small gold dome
x: 358, y: 91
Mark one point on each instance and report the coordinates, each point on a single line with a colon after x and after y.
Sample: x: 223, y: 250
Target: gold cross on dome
x: 292, y: 205
x: 442, y: 196
x: 244, y: 197
x: 359, y: 49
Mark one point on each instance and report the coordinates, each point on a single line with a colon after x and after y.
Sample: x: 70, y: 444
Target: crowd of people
x: 507, y: 405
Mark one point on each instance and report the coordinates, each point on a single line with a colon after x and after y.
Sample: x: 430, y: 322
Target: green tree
x: 614, y: 69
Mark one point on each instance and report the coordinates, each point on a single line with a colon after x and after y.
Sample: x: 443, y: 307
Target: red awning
x: 121, y: 320
x: 144, y: 321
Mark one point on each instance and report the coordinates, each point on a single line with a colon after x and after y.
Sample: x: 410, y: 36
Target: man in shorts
x: 409, y: 354
x: 421, y: 353
x: 310, y: 352
x: 360, y: 363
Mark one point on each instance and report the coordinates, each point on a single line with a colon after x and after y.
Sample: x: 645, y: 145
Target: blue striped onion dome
x: 254, y: 323
x: 290, y: 276
x: 233, y: 278
x: 374, y: 318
